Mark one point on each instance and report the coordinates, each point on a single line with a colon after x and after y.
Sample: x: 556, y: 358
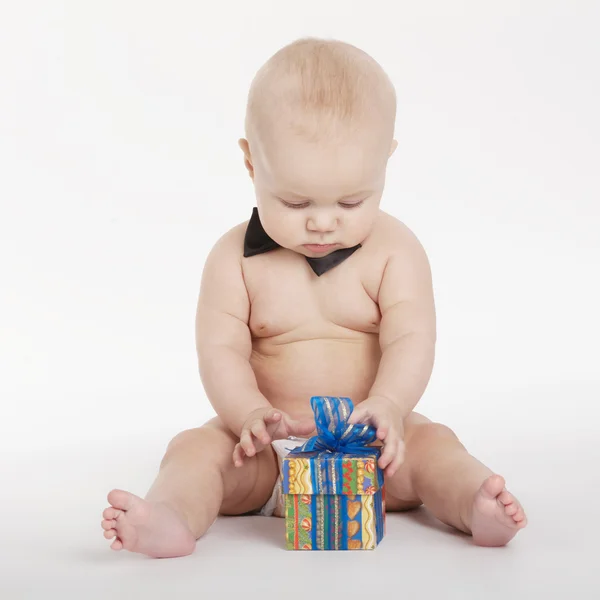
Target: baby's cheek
x: 360, y: 231
x: 278, y: 230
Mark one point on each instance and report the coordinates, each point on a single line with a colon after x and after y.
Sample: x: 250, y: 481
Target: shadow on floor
x: 425, y: 518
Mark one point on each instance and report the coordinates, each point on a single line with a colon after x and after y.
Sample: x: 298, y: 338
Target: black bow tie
x: 258, y: 241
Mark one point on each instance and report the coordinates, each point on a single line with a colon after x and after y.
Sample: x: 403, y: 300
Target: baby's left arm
x: 407, y: 331
x: 407, y: 339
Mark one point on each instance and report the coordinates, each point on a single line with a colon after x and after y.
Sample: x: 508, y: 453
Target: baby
x: 319, y: 293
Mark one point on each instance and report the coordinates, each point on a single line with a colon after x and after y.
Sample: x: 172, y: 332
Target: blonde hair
x: 317, y: 85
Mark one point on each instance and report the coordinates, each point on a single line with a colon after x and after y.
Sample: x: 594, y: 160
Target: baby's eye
x: 290, y: 205
x: 350, y: 204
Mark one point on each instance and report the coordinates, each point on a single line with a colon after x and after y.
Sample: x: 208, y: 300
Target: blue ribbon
x: 334, y: 433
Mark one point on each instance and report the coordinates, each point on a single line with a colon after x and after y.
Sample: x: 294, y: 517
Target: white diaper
x: 275, y: 506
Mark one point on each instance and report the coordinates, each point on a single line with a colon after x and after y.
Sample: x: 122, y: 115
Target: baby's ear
x: 243, y: 144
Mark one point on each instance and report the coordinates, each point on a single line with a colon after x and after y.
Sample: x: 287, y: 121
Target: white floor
x: 52, y: 544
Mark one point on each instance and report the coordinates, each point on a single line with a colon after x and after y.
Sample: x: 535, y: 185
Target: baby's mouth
x: 320, y: 247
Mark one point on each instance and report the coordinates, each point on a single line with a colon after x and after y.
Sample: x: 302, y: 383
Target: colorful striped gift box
x: 334, y: 500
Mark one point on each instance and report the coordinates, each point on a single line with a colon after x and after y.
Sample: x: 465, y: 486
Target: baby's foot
x: 497, y: 514
x: 150, y: 528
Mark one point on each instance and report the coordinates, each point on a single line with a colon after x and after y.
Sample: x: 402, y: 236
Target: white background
x: 119, y: 168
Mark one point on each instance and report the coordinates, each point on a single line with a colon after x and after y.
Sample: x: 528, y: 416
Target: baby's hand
x: 265, y: 425
x: 385, y: 416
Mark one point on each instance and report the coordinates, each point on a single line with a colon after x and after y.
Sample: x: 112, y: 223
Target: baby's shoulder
x: 393, y: 236
x: 230, y: 245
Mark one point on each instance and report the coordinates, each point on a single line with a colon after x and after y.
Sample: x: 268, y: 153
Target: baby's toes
x: 108, y: 524
x: 523, y: 523
x: 519, y: 516
x: 127, y: 535
x: 511, y: 509
x: 110, y: 534
x: 117, y: 545
x: 121, y: 499
x: 112, y: 513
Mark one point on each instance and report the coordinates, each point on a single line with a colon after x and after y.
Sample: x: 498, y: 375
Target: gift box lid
x: 339, y: 459
x: 321, y: 472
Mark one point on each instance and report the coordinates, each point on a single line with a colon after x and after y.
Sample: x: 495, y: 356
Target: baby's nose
x: 322, y: 223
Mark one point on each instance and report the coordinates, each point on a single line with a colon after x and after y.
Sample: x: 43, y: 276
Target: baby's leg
x: 456, y: 487
x: 197, y: 481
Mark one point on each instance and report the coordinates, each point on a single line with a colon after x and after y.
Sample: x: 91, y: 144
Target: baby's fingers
x: 246, y: 443
x: 398, y: 459
x: 238, y: 455
x: 382, y: 425
x: 364, y: 416
x: 390, y: 449
x: 260, y: 432
x: 359, y: 415
x: 272, y: 416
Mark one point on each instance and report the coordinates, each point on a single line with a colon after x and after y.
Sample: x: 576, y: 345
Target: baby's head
x: 319, y: 132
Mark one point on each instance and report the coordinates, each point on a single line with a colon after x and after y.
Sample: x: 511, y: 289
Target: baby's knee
x: 430, y: 433
x: 211, y: 439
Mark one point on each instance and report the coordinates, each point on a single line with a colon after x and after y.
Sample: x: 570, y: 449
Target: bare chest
x: 288, y: 299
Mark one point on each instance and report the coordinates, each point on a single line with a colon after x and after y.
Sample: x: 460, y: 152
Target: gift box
x: 333, y: 489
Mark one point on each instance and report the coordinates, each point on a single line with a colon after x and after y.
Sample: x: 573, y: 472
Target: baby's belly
x: 288, y: 374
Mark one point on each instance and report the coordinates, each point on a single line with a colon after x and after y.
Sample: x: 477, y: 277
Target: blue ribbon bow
x: 334, y: 433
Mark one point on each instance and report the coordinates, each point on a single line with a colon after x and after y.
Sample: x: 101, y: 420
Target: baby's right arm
x: 224, y: 346
x: 223, y: 339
